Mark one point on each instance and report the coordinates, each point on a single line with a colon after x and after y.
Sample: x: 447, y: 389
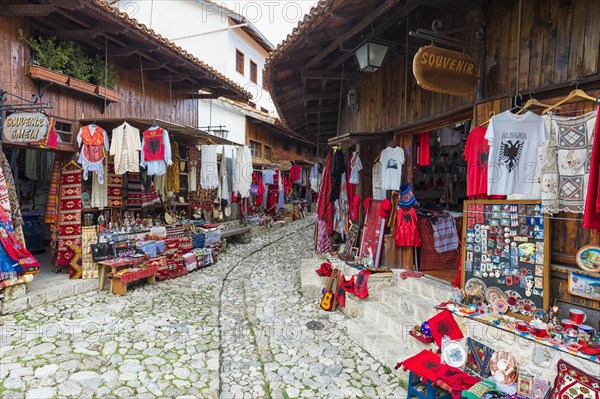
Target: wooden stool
x: 119, y: 288
x: 424, y: 390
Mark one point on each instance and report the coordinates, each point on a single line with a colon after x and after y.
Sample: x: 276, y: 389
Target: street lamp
x: 370, y: 55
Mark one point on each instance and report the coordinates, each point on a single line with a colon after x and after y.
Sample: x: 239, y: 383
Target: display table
x: 118, y: 282
x: 114, y: 265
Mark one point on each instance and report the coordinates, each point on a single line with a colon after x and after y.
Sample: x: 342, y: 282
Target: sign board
x: 351, y: 241
x: 25, y: 128
x: 445, y: 71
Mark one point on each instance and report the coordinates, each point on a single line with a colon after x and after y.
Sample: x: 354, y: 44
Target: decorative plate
x: 588, y: 258
x: 504, y: 368
x: 454, y: 354
x: 512, y: 298
x: 475, y: 286
x: 527, y: 307
x: 500, y: 306
x: 492, y: 294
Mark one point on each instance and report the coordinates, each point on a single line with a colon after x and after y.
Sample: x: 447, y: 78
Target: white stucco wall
x: 234, y: 122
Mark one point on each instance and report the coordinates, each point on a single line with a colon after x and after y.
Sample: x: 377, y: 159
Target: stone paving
x: 237, y: 329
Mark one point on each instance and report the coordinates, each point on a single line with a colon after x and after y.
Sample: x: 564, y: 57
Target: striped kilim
x: 69, y: 234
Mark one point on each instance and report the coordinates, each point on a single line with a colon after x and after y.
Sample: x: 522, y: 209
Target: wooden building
x: 542, y: 49
x: 157, y: 80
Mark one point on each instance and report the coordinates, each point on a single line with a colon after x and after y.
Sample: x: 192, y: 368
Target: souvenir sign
x: 588, y: 258
x: 513, y: 262
x: 445, y: 71
x: 25, y: 128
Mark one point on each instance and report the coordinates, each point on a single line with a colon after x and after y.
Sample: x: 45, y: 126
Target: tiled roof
x: 210, y: 71
x: 315, y: 17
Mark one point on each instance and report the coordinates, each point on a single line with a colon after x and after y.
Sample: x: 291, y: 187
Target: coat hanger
x: 532, y: 102
x: 575, y: 93
x: 516, y: 105
x: 71, y: 162
x: 492, y: 114
x: 209, y: 141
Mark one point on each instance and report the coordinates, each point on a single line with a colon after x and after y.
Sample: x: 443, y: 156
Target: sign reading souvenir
x: 25, y: 128
x: 445, y: 71
x: 506, y: 256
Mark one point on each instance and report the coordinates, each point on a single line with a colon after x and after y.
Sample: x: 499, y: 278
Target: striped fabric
x: 69, y: 234
x: 445, y: 235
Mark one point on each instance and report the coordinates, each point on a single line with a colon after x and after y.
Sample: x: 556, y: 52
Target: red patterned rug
x: 69, y: 233
x: 115, y: 187
x: 572, y: 383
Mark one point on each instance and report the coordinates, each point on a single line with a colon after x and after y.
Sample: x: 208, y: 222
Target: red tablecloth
x: 138, y: 274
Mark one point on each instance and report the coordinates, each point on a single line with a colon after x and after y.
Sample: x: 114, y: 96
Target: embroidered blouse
x: 156, y: 153
x: 93, y: 143
x: 126, y: 147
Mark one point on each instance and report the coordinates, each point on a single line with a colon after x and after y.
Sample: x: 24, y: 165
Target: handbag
x: 102, y: 251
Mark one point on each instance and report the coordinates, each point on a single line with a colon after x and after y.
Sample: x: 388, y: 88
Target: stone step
x: 384, y: 347
x: 425, y: 287
x: 310, y: 282
x: 409, y: 305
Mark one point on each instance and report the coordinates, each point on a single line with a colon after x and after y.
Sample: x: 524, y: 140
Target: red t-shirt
x: 476, y: 154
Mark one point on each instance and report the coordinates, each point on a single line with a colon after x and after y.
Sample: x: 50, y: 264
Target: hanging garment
x: 268, y: 175
x: 449, y: 136
x: 378, y: 191
x: 591, y: 216
x: 260, y: 189
x: 424, y: 149
x: 193, y: 164
x: 325, y: 208
x: 355, y: 208
x: 296, y: 173
x: 160, y: 183
x: 356, y: 167
x: 69, y: 235
x: 15, y: 209
x: 280, y: 199
x: 93, y: 143
x: 566, y: 173
x: 445, y: 235
x: 31, y: 165
x: 338, y: 169
x: 173, y: 171
x: 340, y: 218
x: 514, y: 141
x: 209, y: 171
x: 476, y: 154
x: 391, y: 160
x: 99, y: 193
x: 225, y: 192
x: 51, y: 214
x: 156, y: 151
x: 323, y: 238
x: 126, y: 147
x: 407, y: 231
x: 244, y: 167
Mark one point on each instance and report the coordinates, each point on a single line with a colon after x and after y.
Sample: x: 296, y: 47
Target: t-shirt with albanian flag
x: 476, y: 154
x: 513, y: 161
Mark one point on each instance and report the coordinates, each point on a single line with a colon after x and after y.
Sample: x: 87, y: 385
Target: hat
x: 406, y: 197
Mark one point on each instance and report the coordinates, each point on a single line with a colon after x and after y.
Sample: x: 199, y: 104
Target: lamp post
x: 370, y: 55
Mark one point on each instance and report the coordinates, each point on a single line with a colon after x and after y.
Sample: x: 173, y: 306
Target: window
x: 286, y: 145
x: 298, y: 148
x: 255, y: 149
x: 253, y: 72
x: 268, y: 153
x: 263, y: 109
x: 253, y: 105
x: 239, y: 61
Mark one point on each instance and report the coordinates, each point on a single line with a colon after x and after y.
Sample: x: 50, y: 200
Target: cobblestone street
x: 237, y: 329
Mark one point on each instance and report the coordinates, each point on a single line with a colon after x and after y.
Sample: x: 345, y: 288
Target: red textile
x: 295, y: 172
x: 385, y: 209
x: 261, y: 188
x: 476, y: 154
x: 591, y: 215
x: 325, y: 207
x: 424, y: 150
x: 154, y: 146
x: 422, y: 364
x: 366, y: 204
x: 442, y: 324
x: 355, y: 208
x: 429, y: 258
x: 455, y: 379
x: 138, y: 274
x: 407, y: 232
x: 69, y: 235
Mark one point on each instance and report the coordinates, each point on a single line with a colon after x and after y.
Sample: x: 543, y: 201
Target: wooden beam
x: 356, y: 29
x: 328, y: 75
x: 122, y: 52
x: 27, y: 10
x: 322, y: 96
x: 77, y: 34
x: 166, y: 77
x: 321, y: 109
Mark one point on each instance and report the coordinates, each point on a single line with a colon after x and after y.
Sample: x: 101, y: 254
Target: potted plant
x: 48, y: 59
x: 105, y: 76
x: 79, y: 68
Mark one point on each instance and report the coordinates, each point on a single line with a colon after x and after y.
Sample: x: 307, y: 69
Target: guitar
x: 331, y: 287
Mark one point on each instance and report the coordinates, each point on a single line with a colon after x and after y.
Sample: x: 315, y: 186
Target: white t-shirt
x: 513, y: 159
x: 391, y: 161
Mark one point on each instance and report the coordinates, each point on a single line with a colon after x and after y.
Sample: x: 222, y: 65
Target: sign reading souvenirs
x: 25, y: 128
x: 506, y: 255
x: 445, y: 71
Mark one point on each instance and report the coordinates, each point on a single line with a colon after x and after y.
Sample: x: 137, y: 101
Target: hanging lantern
x: 370, y: 55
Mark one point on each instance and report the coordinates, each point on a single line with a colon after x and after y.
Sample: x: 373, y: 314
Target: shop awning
x: 185, y: 134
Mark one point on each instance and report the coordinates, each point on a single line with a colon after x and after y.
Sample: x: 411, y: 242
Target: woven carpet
x: 89, y: 269
x: 69, y: 234
x: 115, y: 187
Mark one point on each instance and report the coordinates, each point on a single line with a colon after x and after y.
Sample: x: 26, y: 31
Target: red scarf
x: 325, y: 208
